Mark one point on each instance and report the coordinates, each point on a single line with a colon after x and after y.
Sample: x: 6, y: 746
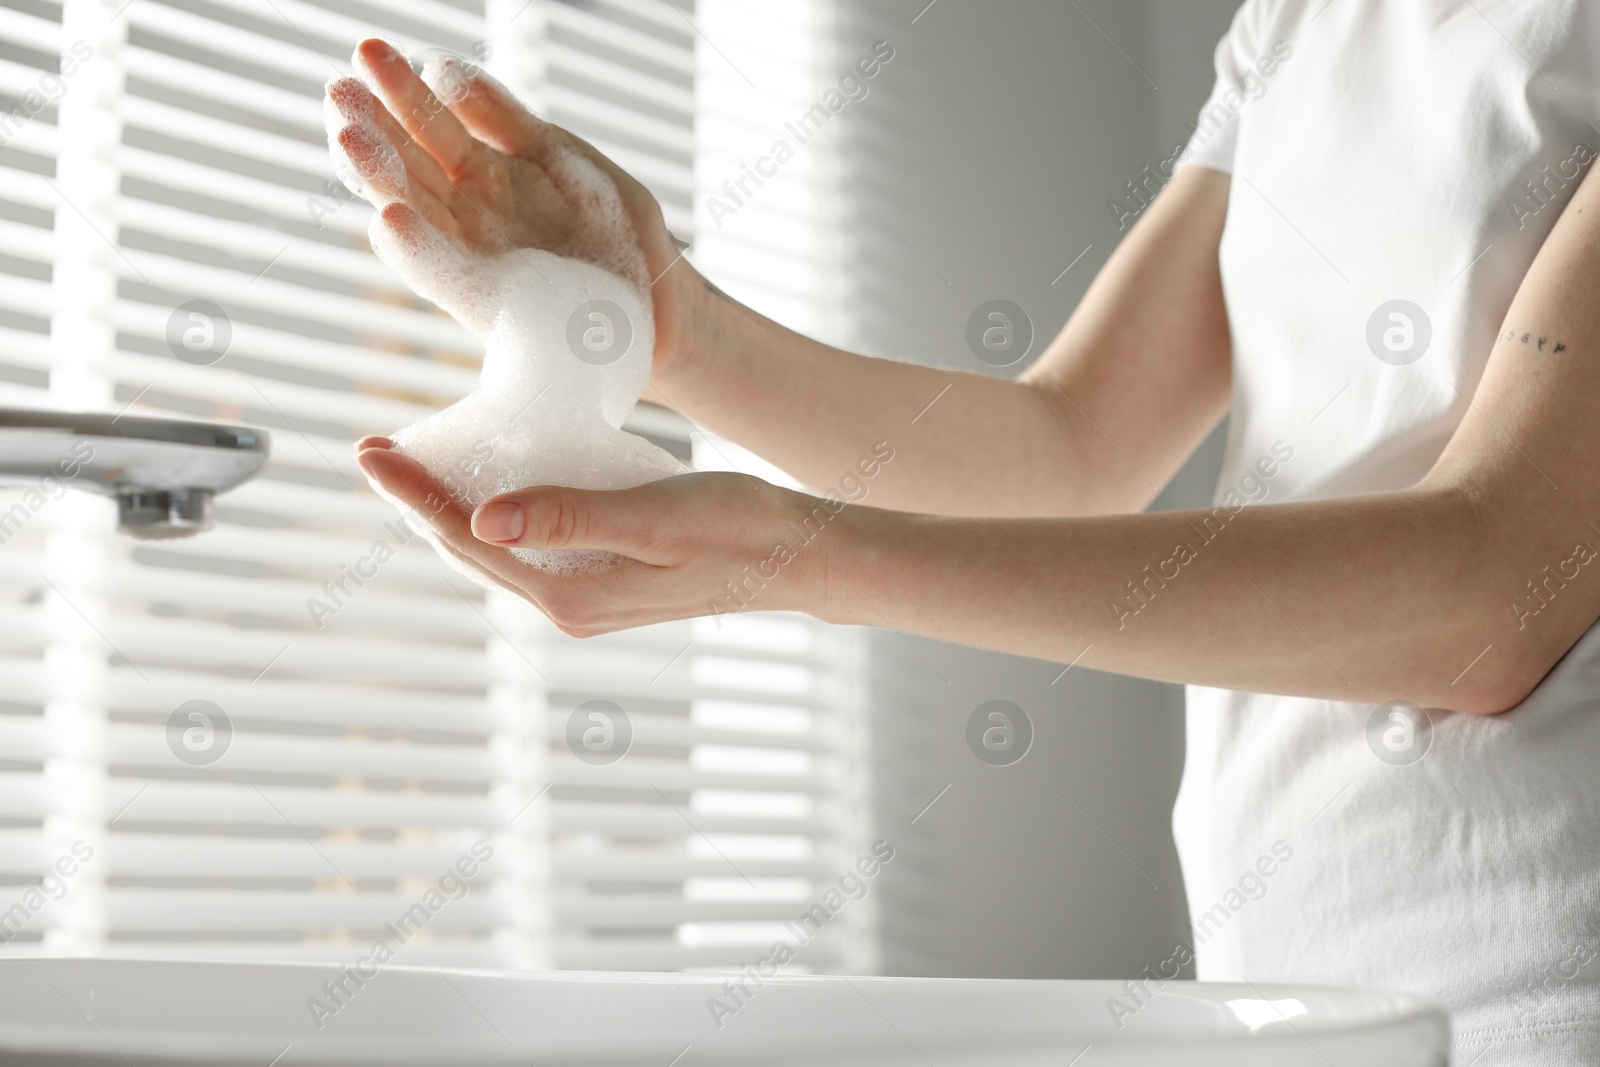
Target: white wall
x: 983, y: 160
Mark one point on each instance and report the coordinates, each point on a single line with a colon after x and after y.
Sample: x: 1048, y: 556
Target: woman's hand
x: 459, y: 155
x: 696, y: 544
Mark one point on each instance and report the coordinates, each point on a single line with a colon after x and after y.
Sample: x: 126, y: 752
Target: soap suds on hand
x: 568, y: 343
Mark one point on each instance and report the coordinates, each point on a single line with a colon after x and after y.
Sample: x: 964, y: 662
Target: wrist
x: 704, y: 320
x: 841, y: 554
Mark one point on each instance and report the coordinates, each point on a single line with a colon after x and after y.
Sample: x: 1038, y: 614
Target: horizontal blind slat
x: 287, y: 810
x: 148, y: 910
x: 137, y: 855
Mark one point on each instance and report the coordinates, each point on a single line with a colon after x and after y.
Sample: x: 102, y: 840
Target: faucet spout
x: 163, y: 473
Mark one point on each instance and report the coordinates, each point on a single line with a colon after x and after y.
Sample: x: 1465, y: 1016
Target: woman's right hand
x: 452, y: 155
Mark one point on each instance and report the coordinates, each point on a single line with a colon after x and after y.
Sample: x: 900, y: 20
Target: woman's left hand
x: 695, y: 544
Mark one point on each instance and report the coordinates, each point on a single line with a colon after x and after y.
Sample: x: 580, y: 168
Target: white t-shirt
x: 1420, y: 151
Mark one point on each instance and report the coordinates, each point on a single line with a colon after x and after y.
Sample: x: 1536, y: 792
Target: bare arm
x: 1105, y: 417
x: 1421, y: 594
x: 1461, y: 592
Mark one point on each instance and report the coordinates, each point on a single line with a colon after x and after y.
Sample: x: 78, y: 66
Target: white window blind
x: 764, y: 67
x: 369, y: 747
x: 759, y: 65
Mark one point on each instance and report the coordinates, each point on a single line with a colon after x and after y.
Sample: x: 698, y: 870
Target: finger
x: 350, y: 103
x: 626, y: 522
x: 407, y: 483
x: 365, y: 164
x: 612, y: 586
x: 478, y: 572
x: 368, y: 160
x: 415, y: 249
x: 369, y: 154
x: 415, y: 107
x: 373, y: 440
x: 432, y: 264
x: 493, y: 114
x: 486, y: 108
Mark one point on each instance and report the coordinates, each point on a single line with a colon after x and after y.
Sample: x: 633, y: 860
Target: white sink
x: 86, y: 1011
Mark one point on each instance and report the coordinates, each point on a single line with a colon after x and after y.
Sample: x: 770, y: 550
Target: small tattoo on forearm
x: 1534, y: 340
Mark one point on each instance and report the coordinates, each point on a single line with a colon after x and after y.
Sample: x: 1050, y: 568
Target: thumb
x: 552, y: 517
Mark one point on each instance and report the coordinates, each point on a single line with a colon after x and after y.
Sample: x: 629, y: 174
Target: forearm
x: 1375, y: 598
x: 1104, y: 417
x: 964, y: 444
x: 1461, y: 592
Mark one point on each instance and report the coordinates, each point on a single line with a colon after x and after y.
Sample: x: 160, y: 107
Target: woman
x: 1380, y: 255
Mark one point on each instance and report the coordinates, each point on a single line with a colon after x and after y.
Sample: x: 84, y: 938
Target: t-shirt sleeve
x: 1240, y: 57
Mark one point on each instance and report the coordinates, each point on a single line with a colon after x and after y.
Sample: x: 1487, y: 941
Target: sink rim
x: 1374, y: 1010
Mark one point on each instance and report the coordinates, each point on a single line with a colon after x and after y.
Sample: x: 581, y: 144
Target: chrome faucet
x: 163, y: 473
